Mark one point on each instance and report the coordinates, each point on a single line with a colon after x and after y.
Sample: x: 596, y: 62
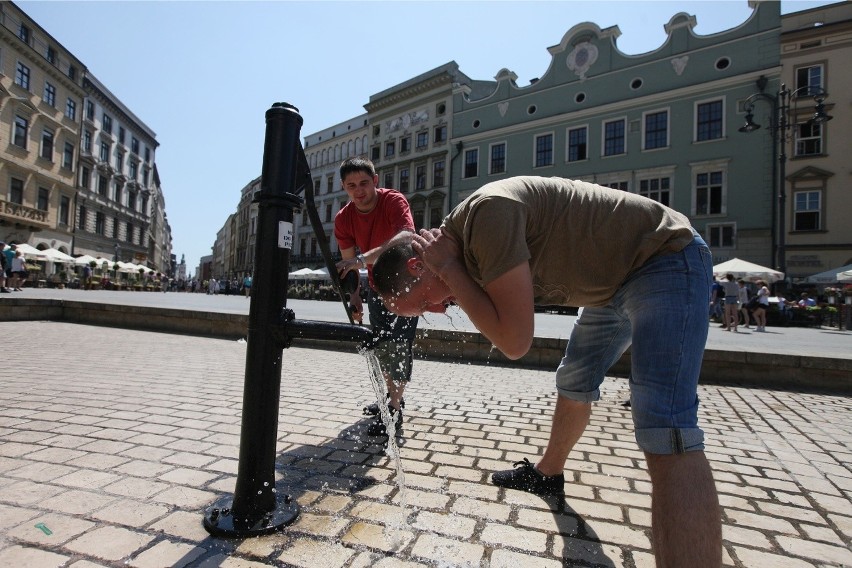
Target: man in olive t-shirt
x: 642, y: 276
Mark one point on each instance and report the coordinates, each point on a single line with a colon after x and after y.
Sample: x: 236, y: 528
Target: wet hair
x: 390, y: 275
x: 351, y: 165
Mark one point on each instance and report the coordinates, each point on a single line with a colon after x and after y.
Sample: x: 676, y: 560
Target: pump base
x: 219, y: 521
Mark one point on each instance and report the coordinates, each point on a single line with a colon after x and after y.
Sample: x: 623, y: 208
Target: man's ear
x: 414, y: 266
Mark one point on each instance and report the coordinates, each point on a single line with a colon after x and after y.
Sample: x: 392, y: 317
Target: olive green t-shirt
x: 581, y: 240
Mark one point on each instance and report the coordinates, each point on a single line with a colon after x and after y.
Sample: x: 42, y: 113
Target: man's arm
x: 503, y: 311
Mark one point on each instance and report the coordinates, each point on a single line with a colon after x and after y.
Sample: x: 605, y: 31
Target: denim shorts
x: 394, y: 338
x: 661, y: 309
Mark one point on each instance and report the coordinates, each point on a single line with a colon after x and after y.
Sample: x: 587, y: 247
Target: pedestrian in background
x: 732, y: 302
x: 742, y: 292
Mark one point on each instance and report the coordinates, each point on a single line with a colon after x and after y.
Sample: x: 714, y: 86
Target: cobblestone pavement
x: 113, y: 442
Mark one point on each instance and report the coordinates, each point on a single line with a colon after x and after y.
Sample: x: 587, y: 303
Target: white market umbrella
x: 301, y: 274
x: 747, y: 271
x: 29, y: 251
x: 844, y: 276
x: 127, y: 267
x: 321, y: 274
x: 84, y: 260
x: 827, y: 277
x: 56, y: 255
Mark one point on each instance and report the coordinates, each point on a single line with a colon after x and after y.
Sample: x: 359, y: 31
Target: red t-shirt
x: 367, y: 231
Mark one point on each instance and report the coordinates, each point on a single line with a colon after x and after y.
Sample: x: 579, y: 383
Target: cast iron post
x: 257, y: 506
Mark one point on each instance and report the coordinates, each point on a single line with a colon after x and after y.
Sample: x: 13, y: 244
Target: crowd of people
x: 735, y: 302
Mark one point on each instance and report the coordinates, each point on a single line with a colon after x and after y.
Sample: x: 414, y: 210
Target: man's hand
x: 344, y: 266
x: 438, y: 250
x: 357, y: 307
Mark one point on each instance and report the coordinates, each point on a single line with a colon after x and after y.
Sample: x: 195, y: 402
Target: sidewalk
x: 113, y: 442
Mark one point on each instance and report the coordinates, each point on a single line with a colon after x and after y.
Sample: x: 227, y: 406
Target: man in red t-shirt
x: 372, y: 216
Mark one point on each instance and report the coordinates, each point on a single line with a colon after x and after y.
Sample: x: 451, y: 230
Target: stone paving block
x: 747, y: 537
x: 131, y: 513
x: 618, y: 534
x: 823, y: 552
x: 109, y: 543
x: 320, y: 525
x: 438, y: 549
x: 377, y: 537
x: 76, y: 502
x: 31, y: 557
x: 307, y: 553
x: 575, y: 550
x: 167, y: 554
x: 27, y: 493
x: 183, y: 525
x: 760, y: 558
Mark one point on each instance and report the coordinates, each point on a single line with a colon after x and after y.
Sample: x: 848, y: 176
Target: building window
x: 129, y: 235
x: 24, y: 34
x: 85, y: 178
x: 658, y: 189
x: 90, y: 110
x: 47, y: 144
x: 438, y: 174
x: 471, y: 163
x: 132, y: 170
x: 614, y: 136
x: 656, y: 130
x: 405, y: 144
x: 104, y: 152
x: 544, y: 150
x: 72, y: 72
x: 422, y: 140
x: 417, y: 216
x: 107, y: 124
x: 721, y: 236
x: 134, y: 145
x: 810, y: 76
x: 16, y: 191
x: 808, y: 139
x: 121, y: 134
x: 389, y: 180
x: 709, y: 193
x: 49, y: 94
x: 87, y: 141
x: 577, y: 144
x: 440, y: 134
x: 403, y: 180
x: 68, y: 156
x: 103, y: 185
x: 50, y: 55
x: 100, y: 223
x: 375, y: 153
x: 43, y: 199
x: 328, y: 212
x: 435, y: 217
x: 119, y: 161
x: 22, y: 127
x: 81, y: 222
x: 22, y: 76
x: 497, y: 159
x: 390, y: 149
x: 807, y: 210
x: 147, y: 154
x: 708, y: 121
x: 71, y: 109
x: 329, y: 186
x: 619, y: 185
x: 420, y: 178
x: 64, y: 210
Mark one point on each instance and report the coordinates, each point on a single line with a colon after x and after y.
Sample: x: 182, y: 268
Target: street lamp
x: 780, y: 123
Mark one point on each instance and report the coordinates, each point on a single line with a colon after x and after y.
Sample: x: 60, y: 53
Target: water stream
x: 393, y: 532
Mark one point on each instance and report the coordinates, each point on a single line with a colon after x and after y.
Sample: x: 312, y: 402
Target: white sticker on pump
x: 285, y: 235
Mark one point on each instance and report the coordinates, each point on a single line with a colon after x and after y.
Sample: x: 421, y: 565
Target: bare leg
x: 395, y: 391
x: 685, y: 514
x: 570, y: 419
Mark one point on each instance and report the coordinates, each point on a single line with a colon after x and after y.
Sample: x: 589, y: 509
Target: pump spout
x: 291, y: 328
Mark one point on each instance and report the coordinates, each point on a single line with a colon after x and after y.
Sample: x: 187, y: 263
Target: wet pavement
x: 113, y: 442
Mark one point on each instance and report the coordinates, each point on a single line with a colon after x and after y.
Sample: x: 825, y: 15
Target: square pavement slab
x: 114, y: 442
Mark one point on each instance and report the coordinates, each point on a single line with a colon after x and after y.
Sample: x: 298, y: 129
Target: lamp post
x: 781, y: 121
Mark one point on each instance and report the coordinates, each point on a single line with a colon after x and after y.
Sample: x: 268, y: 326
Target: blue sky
x: 202, y: 74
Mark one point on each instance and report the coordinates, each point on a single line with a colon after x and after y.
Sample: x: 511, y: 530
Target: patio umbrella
x: 28, y: 251
x: 844, y: 276
x: 84, y: 260
x: 747, y: 271
x: 301, y: 274
x: 55, y: 255
x: 827, y: 277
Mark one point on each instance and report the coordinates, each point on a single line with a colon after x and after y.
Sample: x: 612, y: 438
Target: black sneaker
x: 526, y: 477
x: 373, y: 409
x: 377, y: 428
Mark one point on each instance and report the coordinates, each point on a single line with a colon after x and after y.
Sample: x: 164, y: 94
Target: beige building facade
x: 41, y: 104
x: 816, y: 50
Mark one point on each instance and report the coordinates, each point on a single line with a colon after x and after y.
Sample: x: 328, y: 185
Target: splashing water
x: 394, y: 533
